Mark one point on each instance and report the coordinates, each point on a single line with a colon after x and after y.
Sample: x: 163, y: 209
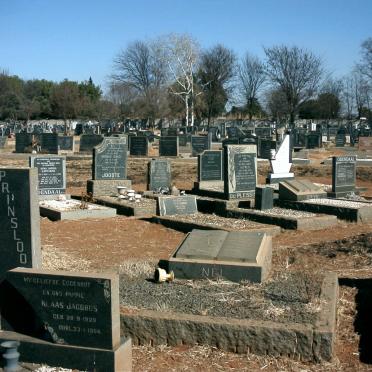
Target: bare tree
x: 297, y: 72
x: 362, y: 92
x: 348, y: 96
x: 252, y: 77
x: 365, y: 65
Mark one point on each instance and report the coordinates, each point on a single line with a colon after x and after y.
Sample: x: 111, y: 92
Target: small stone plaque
x: 171, y: 205
x: 49, y: 143
x: 240, y: 171
x: 65, y: 308
x: 168, y: 146
x: 66, y: 143
x: 51, y: 174
x: 19, y: 219
x: 110, y: 159
x: 159, y: 174
x: 199, y: 144
x: 23, y: 142
x: 210, y: 166
x: 139, y: 146
x: 89, y: 141
x: 343, y: 173
x: 3, y: 141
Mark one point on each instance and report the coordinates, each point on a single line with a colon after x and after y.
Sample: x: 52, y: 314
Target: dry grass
x: 137, y: 268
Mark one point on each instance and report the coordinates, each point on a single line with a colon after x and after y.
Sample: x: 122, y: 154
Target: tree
x: 297, y: 72
x: 365, y: 65
x: 252, y: 77
x: 216, y: 70
x: 277, y: 105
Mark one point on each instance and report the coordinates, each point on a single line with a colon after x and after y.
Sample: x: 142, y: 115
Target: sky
x: 78, y: 39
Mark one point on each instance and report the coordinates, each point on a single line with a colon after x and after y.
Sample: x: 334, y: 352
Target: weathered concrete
x: 106, y: 187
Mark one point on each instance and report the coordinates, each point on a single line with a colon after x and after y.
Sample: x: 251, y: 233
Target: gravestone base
x: 37, y: 351
x: 279, y: 177
x: 297, y: 190
x: 341, y: 194
x: 106, y: 187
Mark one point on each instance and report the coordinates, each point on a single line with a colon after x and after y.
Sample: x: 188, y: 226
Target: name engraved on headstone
x: 171, y: 205
x: 139, y: 146
x: 343, y: 173
x: 210, y: 166
x: 159, y: 174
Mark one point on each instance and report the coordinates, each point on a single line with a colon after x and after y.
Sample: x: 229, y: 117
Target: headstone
x: 139, y: 146
x: 266, y: 148
x: 297, y: 190
x: 89, y: 141
x: 3, y: 141
x: 51, y: 175
x: 182, y: 140
x: 19, y: 219
x: 215, y: 133
x: 343, y: 175
x: 210, y: 166
x: 232, y: 132
x: 240, y: 177
x: 340, y: 139
x: 263, y: 132
x: 171, y: 205
x: 199, y: 144
x: 168, y: 146
x: 313, y: 140
x: 264, y: 198
x: 23, y: 142
x: 233, y: 255
x: 172, y: 132
x: 66, y: 143
x: 159, y: 174
x: 49, y: 143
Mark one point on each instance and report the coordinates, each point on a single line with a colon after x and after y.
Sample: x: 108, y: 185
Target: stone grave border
x: 298, y: 341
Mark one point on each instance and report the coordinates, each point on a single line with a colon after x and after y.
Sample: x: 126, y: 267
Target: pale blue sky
x: 75, y: 39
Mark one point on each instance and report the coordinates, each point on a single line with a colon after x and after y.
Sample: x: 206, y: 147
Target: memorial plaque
x: 171, y: 205
x: 110, y: 159
x: 51, y: 174
x: 139, y: 146
x: 343, y: 173
x: 240, y: 171
x: 210, y: 166
x: 199, y: 144
x: 66, y: 308
x: 159, y: 174
x: 3, y: 141
x: 89, y: 141
x: 19, y: 219
x: 49, y: 143
x: 168, y: 146
x: 66, y: 143
x: 23, y: 142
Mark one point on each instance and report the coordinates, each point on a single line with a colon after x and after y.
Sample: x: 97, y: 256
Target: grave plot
x: 292, y: 314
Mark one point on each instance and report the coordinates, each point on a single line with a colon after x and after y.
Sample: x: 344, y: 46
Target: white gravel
x: 282, y: 212
x: 337, y: 203
x: 67, y: 205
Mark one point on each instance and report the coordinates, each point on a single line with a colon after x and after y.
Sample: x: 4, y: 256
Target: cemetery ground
x: 132, y: 247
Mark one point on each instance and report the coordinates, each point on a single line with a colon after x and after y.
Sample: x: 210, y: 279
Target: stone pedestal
x: 279, y: 177
x: 106, y: 187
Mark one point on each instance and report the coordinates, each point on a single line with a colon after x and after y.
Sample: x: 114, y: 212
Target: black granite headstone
x: 182, y: 140
x: 340, y: 139
x: 159, y: 174
x: 171, y: 205
x: 66, y: 143
x: 313, y: 140
x: 110, y: 159
x: 199, y: 144
x: 23, y: 142
x: 139, y: 146
x: 49, y: 143
x: 343, y: 174
x: 3, y: 141
x: 232, y: 132
x: 89, y: 141
x: 51, y: 174
x: 210, y: 166
x: 264, y: 198
x: 168, y: 146
x: 19, y: 219
x: 265, y: 147
x: 263, y: 131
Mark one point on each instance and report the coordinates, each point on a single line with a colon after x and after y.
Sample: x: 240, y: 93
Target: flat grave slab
x: 71, y: 209
x: 300, y: 190
x: 170, y: 205
x: 233, y: 255
x: 227, y: 315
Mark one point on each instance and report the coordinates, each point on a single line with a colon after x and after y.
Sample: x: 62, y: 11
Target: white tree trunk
x: 187, y: 109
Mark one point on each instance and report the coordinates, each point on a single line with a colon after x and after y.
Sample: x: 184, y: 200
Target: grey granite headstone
x: 313, y: 140
x: 343, y: 175
x: 51, y: 174
x: 264, y: 198
x: 110, y: 159
x: 210, y: 166
x: 49, y: 143
x: 200, y: 144
x: 139, y: 146
x: 171, y: 205
x: 19, y: 219
x: 168, y: 146
x: 66, y: 143
x: 89, y: 141
x: 23, y: 142
x: 240, y: 177
x: 159, y: 174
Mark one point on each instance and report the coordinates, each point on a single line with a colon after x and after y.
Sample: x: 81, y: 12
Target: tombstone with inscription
x: 23, y: 142
x: 199, y: 144
x: 240, y: 171
x: 66, y: 144
x: 49, y: 143
x: 19, y: 219
x: 173, y: 205
x: 266, y: 148
x: 66, y: 319
x: 160, y: 176
x: 233, y: 255
x: 168, y: 146
x: 210, y: 170
x: 3, y: 141
x: 313, y: 140
x: 139, y: 146
x: 109, y: 167
x: 343, y: 176
x: 89, y: 141
x: 51, y: 175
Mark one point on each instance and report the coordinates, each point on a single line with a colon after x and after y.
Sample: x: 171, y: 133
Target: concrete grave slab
x: 300, y: 190
x: 169, y: 205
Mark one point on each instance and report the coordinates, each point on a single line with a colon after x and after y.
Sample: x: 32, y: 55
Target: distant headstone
x: 199, y: 144
x: 182, y: 139
x: 210, y: 166
x: 313, y: 140
x: 159, y: 174
x: 343, y: 175
x: 168, y: 146
x: 297, y: 190
x: 139, y: 146
x: 49, y: 143
x: 240, y: 177
x: 171, y: 205
x: 110, y: 159
x: 263, y: 131
x: 264, y: 198
x: 340, y: 139
x: 172, y: 132
x: 3, y: 141
x: 66, y: 143
x: 23, y: 142
x: 232, y: 132
x: 19, y: 219
x: 89, y: 141
x: 51, y: 174
x: 266, y: 148
x: 215, y: 133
